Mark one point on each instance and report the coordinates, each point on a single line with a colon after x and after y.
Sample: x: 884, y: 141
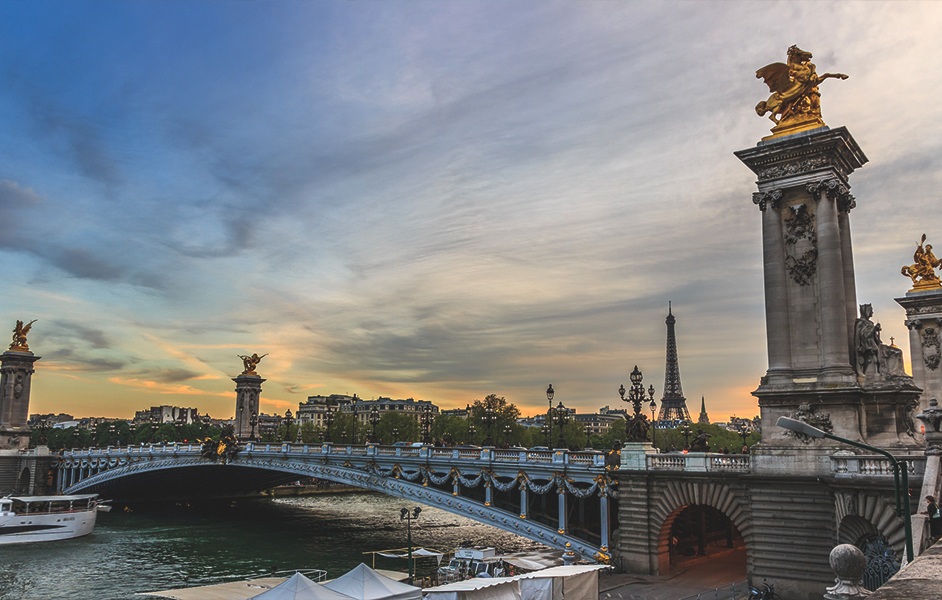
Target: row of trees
x: 493, y: 416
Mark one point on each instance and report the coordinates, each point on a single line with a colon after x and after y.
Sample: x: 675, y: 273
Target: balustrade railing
x: 584, y: 459
x: 699, y: 461
x: 847, y: 464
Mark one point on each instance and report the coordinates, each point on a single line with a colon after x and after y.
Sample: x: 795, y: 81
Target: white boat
x: 41, y: 518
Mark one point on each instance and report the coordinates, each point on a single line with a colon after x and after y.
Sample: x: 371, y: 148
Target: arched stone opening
x: 883, y: 560
x: 698, y: 533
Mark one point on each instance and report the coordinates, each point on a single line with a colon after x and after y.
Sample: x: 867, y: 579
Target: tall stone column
x: 831, y: 278
x: 248, y: 390
x: 776, y: 286
x: 16, y: 371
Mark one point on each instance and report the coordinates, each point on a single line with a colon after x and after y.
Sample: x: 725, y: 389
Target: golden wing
x: 775, y: 76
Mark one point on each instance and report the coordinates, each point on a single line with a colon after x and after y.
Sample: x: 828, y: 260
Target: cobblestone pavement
x: 688, y: 579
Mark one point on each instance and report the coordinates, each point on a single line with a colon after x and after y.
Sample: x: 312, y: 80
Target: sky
x: 437, y: 200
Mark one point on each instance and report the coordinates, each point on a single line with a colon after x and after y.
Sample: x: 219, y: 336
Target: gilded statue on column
x: 922, y: 271
x: 795, y: 103
x: 19, y: 336
x: 250, y: 362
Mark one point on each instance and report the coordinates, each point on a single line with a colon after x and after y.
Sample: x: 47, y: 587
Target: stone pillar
x: 924, y: 320
x: 16, y: 371
x: 832, y: 307
x: 603, y: 520
x: 850, y: 284
x: 248, y: 389
x: 776, y: 286
x: 523, y: 500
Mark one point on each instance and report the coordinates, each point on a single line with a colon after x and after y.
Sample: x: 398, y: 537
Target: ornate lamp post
x: 404, y: 515
x: 329, y: 420
x: 395, y: 433
x: 374, y: 418
x: 653, y: 406
x: 507, y: 431
x: 288, y: 421
x: 253, y: 421
x: 297, y: 439
x: 470, y: 426
x: 685, y: 430
x: 545, y: 430
x: 743, y: 433
x: 355, y: 418
x: 637, y: 426
x: 562, y: 414
x: 549, y: 413
x: 427, y: 424
x: 489, y: 418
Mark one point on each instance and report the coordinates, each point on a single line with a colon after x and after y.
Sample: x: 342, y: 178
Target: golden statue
x: 795, y: 103
x: 251, y: 362
x: 922, y: 271
x: 19, y: 336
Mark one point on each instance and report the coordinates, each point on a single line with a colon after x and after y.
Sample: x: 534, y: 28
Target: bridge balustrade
x: 847, y: 464
x: 699, y: 462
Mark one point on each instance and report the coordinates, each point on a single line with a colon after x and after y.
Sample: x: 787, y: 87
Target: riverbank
x: 291, y: 491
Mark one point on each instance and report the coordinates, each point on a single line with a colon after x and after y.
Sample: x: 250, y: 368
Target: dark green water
x: 155, y: 549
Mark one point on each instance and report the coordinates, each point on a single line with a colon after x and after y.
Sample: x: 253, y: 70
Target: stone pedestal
x: 634, y: 455
x: 248, y: 390
x: 924, y: 320
x: 811, y: 305
x: 16, y: 371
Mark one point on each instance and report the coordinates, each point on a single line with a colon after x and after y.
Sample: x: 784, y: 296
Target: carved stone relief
x: 18, y: 387
x: 801, y: 245
x: 793, y: 168
x: 771, y: 198
x: 930, y: 347
x: 836, y: 190
x: 808, y: 414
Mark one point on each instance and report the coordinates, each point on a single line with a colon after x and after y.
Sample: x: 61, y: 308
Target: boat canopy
x: 33, y: 499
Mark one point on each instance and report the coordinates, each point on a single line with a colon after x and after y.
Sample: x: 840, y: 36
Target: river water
x: 154, y: 549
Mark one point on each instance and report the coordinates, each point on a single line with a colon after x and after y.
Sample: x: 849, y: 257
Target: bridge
x: 508, y: 489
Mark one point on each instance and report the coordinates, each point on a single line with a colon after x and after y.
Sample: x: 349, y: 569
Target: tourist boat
x: 40, y: 518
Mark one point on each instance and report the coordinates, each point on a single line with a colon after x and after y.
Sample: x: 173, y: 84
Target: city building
x: 704, y: 418
x: 315, y: 409
x: 166, y: 414
x: 599, y: 424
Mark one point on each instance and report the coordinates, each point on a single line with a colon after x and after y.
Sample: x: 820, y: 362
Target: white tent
x: 575, y: 582
x: 299, y: 587
x: 478, y: 588
x: 363, y: 583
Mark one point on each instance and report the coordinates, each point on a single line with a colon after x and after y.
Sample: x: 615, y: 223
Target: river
x: 142, y: 550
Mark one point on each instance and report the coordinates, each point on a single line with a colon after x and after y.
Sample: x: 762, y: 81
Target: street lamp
x: 545, y: 430
x: 899, y: 467
x: 685, y: 430
x: 467, y: 411
x: 329, y: 420
x: 288, y: 421
x: 549, y: 413
x: 395, y: 433
x: 743, y: 433
x: 253, y: 421
x: 653, y: 422
x: 427, y: 424
x: 355, y: 418
x: 561, y: 418
x: 489, y: 418
x: 507, y: 431
x: 404, y: 515
x: 374, y: 418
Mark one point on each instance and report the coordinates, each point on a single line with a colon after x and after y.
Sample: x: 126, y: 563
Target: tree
x: 503, y: 412
x: 450, y: 429
x: 396, y: 427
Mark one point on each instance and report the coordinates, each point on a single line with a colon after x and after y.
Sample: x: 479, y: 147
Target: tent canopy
x: 363, y: 583
x: 478, y: 588
x: 299, y: 587
x: 573, y: 582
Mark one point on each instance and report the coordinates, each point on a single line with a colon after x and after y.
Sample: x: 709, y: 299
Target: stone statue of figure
x: 250, y: 362
x: 866, y: 340
x: 922, y: 271
x: 19, y: 335
x: 794, y: 86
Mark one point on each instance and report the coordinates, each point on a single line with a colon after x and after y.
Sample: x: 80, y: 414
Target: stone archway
x: 874, y: 515
x: 674, y: 497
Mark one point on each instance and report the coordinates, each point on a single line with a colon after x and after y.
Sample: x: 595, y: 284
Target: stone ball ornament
x: 848, y: 563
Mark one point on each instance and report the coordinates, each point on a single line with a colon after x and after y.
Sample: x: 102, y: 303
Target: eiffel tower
x: 673, y: 403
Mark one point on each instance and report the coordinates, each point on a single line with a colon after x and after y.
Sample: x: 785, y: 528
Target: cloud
x: 165, y: 388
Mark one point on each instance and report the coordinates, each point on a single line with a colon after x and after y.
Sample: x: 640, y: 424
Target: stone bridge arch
x: 673, y: 496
